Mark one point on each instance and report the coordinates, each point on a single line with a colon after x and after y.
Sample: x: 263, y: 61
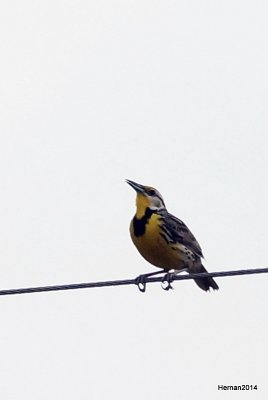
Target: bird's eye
x: 151, y: 192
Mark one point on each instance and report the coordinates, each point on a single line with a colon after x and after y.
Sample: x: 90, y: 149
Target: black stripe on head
x: 161, y: 199
x: 154, y: 194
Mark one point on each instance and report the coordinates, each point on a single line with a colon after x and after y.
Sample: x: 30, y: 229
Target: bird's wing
x: 181, y: 233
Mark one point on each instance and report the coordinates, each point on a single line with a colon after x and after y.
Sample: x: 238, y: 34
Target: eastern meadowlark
x: 164, y: 240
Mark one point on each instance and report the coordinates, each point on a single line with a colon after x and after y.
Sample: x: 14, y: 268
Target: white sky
x: 166, y: 93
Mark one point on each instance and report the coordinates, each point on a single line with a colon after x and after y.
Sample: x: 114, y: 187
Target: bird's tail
x: 205, y: 283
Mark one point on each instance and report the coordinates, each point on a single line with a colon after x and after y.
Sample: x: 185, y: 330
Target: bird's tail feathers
x: 207, y: 282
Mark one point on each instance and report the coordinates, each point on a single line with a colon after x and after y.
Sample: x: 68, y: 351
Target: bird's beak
x: 136, y: 186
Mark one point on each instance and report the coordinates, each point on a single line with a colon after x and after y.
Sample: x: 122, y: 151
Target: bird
x: 164, y: 240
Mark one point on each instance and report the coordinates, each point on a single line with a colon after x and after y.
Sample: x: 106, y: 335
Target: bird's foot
x: 140, y: 281
x: 167, y: 280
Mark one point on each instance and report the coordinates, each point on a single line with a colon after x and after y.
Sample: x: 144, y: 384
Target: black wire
x: 131, y: 281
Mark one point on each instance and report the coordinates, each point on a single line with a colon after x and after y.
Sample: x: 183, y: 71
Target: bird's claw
x: 166, y: 281
x: 140, y: 282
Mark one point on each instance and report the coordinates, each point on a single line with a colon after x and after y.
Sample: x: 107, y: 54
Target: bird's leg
x: 167, y: 280
x: 140, y: 281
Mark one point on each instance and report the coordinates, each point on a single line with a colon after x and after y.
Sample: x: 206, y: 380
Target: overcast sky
x: 172, y: 94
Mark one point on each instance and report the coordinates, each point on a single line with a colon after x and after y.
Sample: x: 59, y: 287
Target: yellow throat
x: 142, y: 202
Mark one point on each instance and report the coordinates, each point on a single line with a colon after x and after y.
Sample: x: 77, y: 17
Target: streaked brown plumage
x: 164, y: 240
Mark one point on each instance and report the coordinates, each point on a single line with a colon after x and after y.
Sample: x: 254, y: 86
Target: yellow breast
x: 154, y: 248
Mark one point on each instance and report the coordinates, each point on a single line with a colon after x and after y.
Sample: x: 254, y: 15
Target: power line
x: 131, y: 281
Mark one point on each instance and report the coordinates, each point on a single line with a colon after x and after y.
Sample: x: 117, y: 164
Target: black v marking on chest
x: 139, y: 225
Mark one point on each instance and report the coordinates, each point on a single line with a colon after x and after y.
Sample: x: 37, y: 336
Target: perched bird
x: 164, y: 240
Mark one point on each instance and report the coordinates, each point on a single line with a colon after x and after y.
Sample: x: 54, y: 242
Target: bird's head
x: 147, y: 197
